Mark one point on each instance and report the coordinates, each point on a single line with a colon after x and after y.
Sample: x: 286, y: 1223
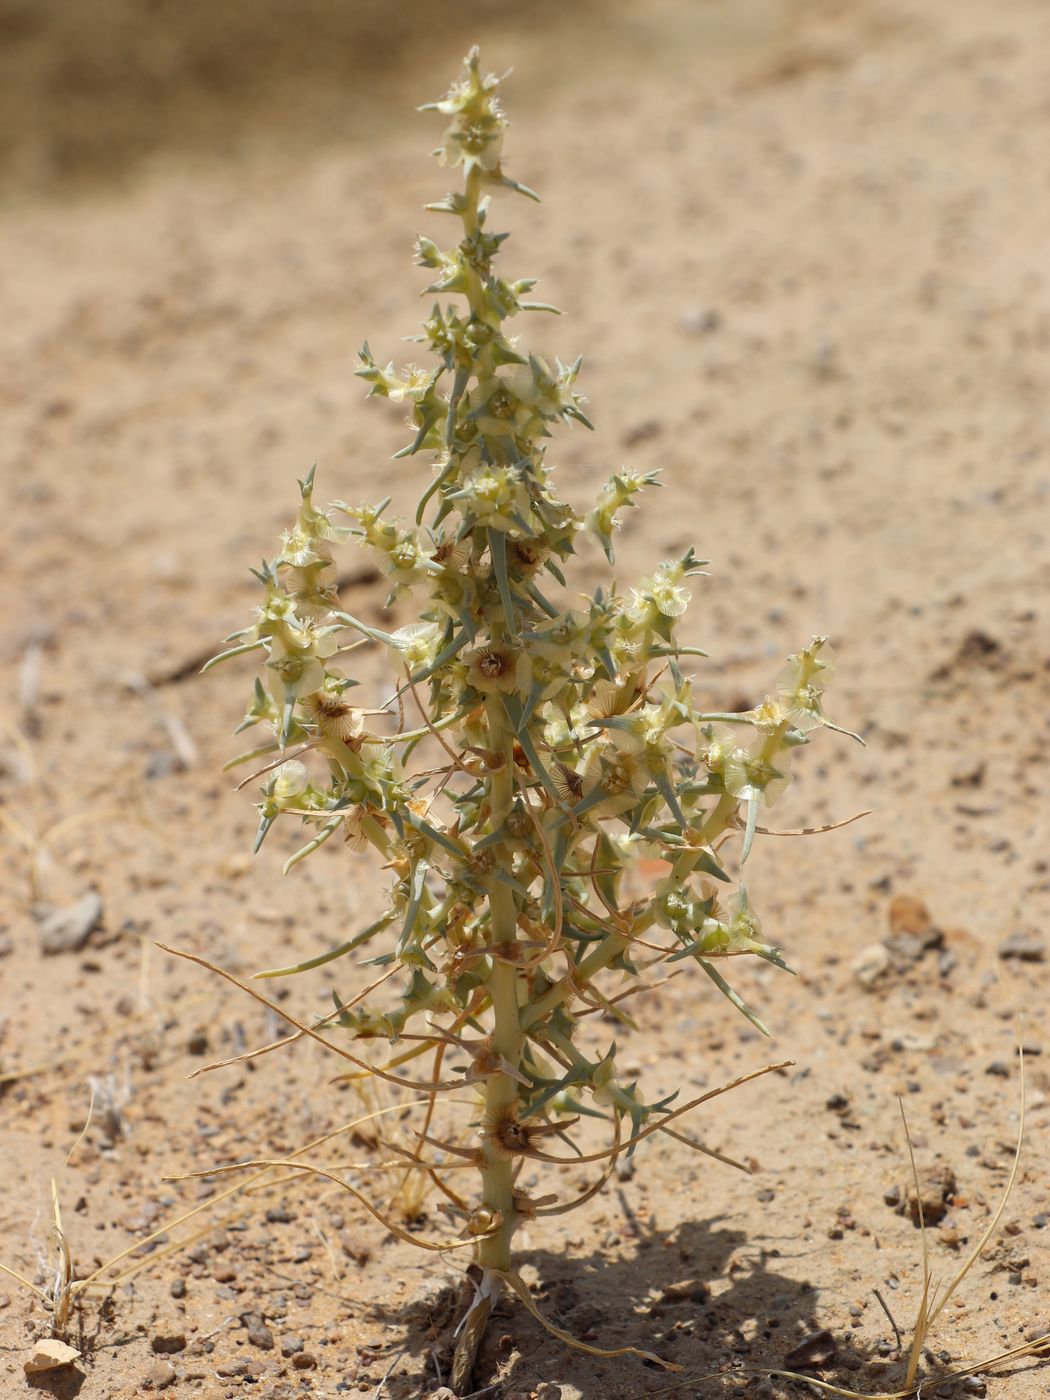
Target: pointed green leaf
x: 727, y: 991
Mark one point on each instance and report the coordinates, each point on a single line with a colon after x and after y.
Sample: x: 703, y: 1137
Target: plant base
x: 486, y: 1286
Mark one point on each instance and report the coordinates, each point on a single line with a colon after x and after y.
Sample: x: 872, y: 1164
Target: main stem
x: 501, y: 1090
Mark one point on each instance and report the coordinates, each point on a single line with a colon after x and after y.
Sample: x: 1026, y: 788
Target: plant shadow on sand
x: 62, y: 1384
x: 669, y: 1297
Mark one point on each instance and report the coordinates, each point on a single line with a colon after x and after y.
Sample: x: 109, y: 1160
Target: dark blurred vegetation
x: 89, y: 88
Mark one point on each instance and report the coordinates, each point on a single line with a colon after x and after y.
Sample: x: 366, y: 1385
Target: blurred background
x: 91, y: 92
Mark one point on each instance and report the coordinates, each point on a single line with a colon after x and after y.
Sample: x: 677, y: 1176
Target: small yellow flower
x: 417, y: 644
x: 720, y: 743
x: 288, y: 782
x: 750, y: 775
x: 800, y: 684
x: 667, y: 591
x: 413, y: 385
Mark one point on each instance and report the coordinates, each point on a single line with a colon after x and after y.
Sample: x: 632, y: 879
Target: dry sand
x: 803, y: 249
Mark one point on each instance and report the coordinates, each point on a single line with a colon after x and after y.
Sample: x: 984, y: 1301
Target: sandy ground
x: 804, y: 253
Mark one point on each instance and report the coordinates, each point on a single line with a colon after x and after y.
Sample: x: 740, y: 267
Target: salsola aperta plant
x: 558, y: 735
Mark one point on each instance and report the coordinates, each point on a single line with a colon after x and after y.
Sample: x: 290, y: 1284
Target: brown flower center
x: 493, y: 664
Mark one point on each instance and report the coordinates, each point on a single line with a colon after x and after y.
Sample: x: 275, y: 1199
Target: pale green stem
x: 475, y: 292
x: 501, y: 1090
x: 607, y: 951
x: 378, y: 837
x: 721, y: 817
x: 622, y: 1100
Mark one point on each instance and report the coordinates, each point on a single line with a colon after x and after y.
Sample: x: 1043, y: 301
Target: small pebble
x: 67, y: 930
x: 999, y: 1069
x: 936, y: 1185
x: 1023, y: 946
x: 699, y: 320
x: 159, y: 1375
x: 304, y: 1361
x: 260, y: 1336
x: 693, y: 1290
x: 168, y: 1339
x: 871, y: 963
x: 178, y: 1288
x: 908, y: 914
x: 813, y: 1352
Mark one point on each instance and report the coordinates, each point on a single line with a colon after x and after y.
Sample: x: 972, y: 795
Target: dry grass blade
x: 37, y: 845
x: 914, y: 1392
x: 12, y: 1076
x: 930, y: 1307
x: 595, y: 1186
x: 922, y: 1323
x: 18, y: 1278
x: 292, y: 1038
x: 707, y: 1151
x: 287, y: 1163
x: 815, y: 830
x: 65, y: 1291
x: 416, y: 1086
x: 975, y: 1253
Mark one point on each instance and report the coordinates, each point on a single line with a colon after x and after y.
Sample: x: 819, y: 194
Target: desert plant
x: 566, y: 742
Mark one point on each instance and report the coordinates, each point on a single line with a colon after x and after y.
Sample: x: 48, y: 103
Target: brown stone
x: 167, y: 1338
x: 936, y: 1188
x: 159, y: 1375
x: 908, y: 915
x: 813, y: 1352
